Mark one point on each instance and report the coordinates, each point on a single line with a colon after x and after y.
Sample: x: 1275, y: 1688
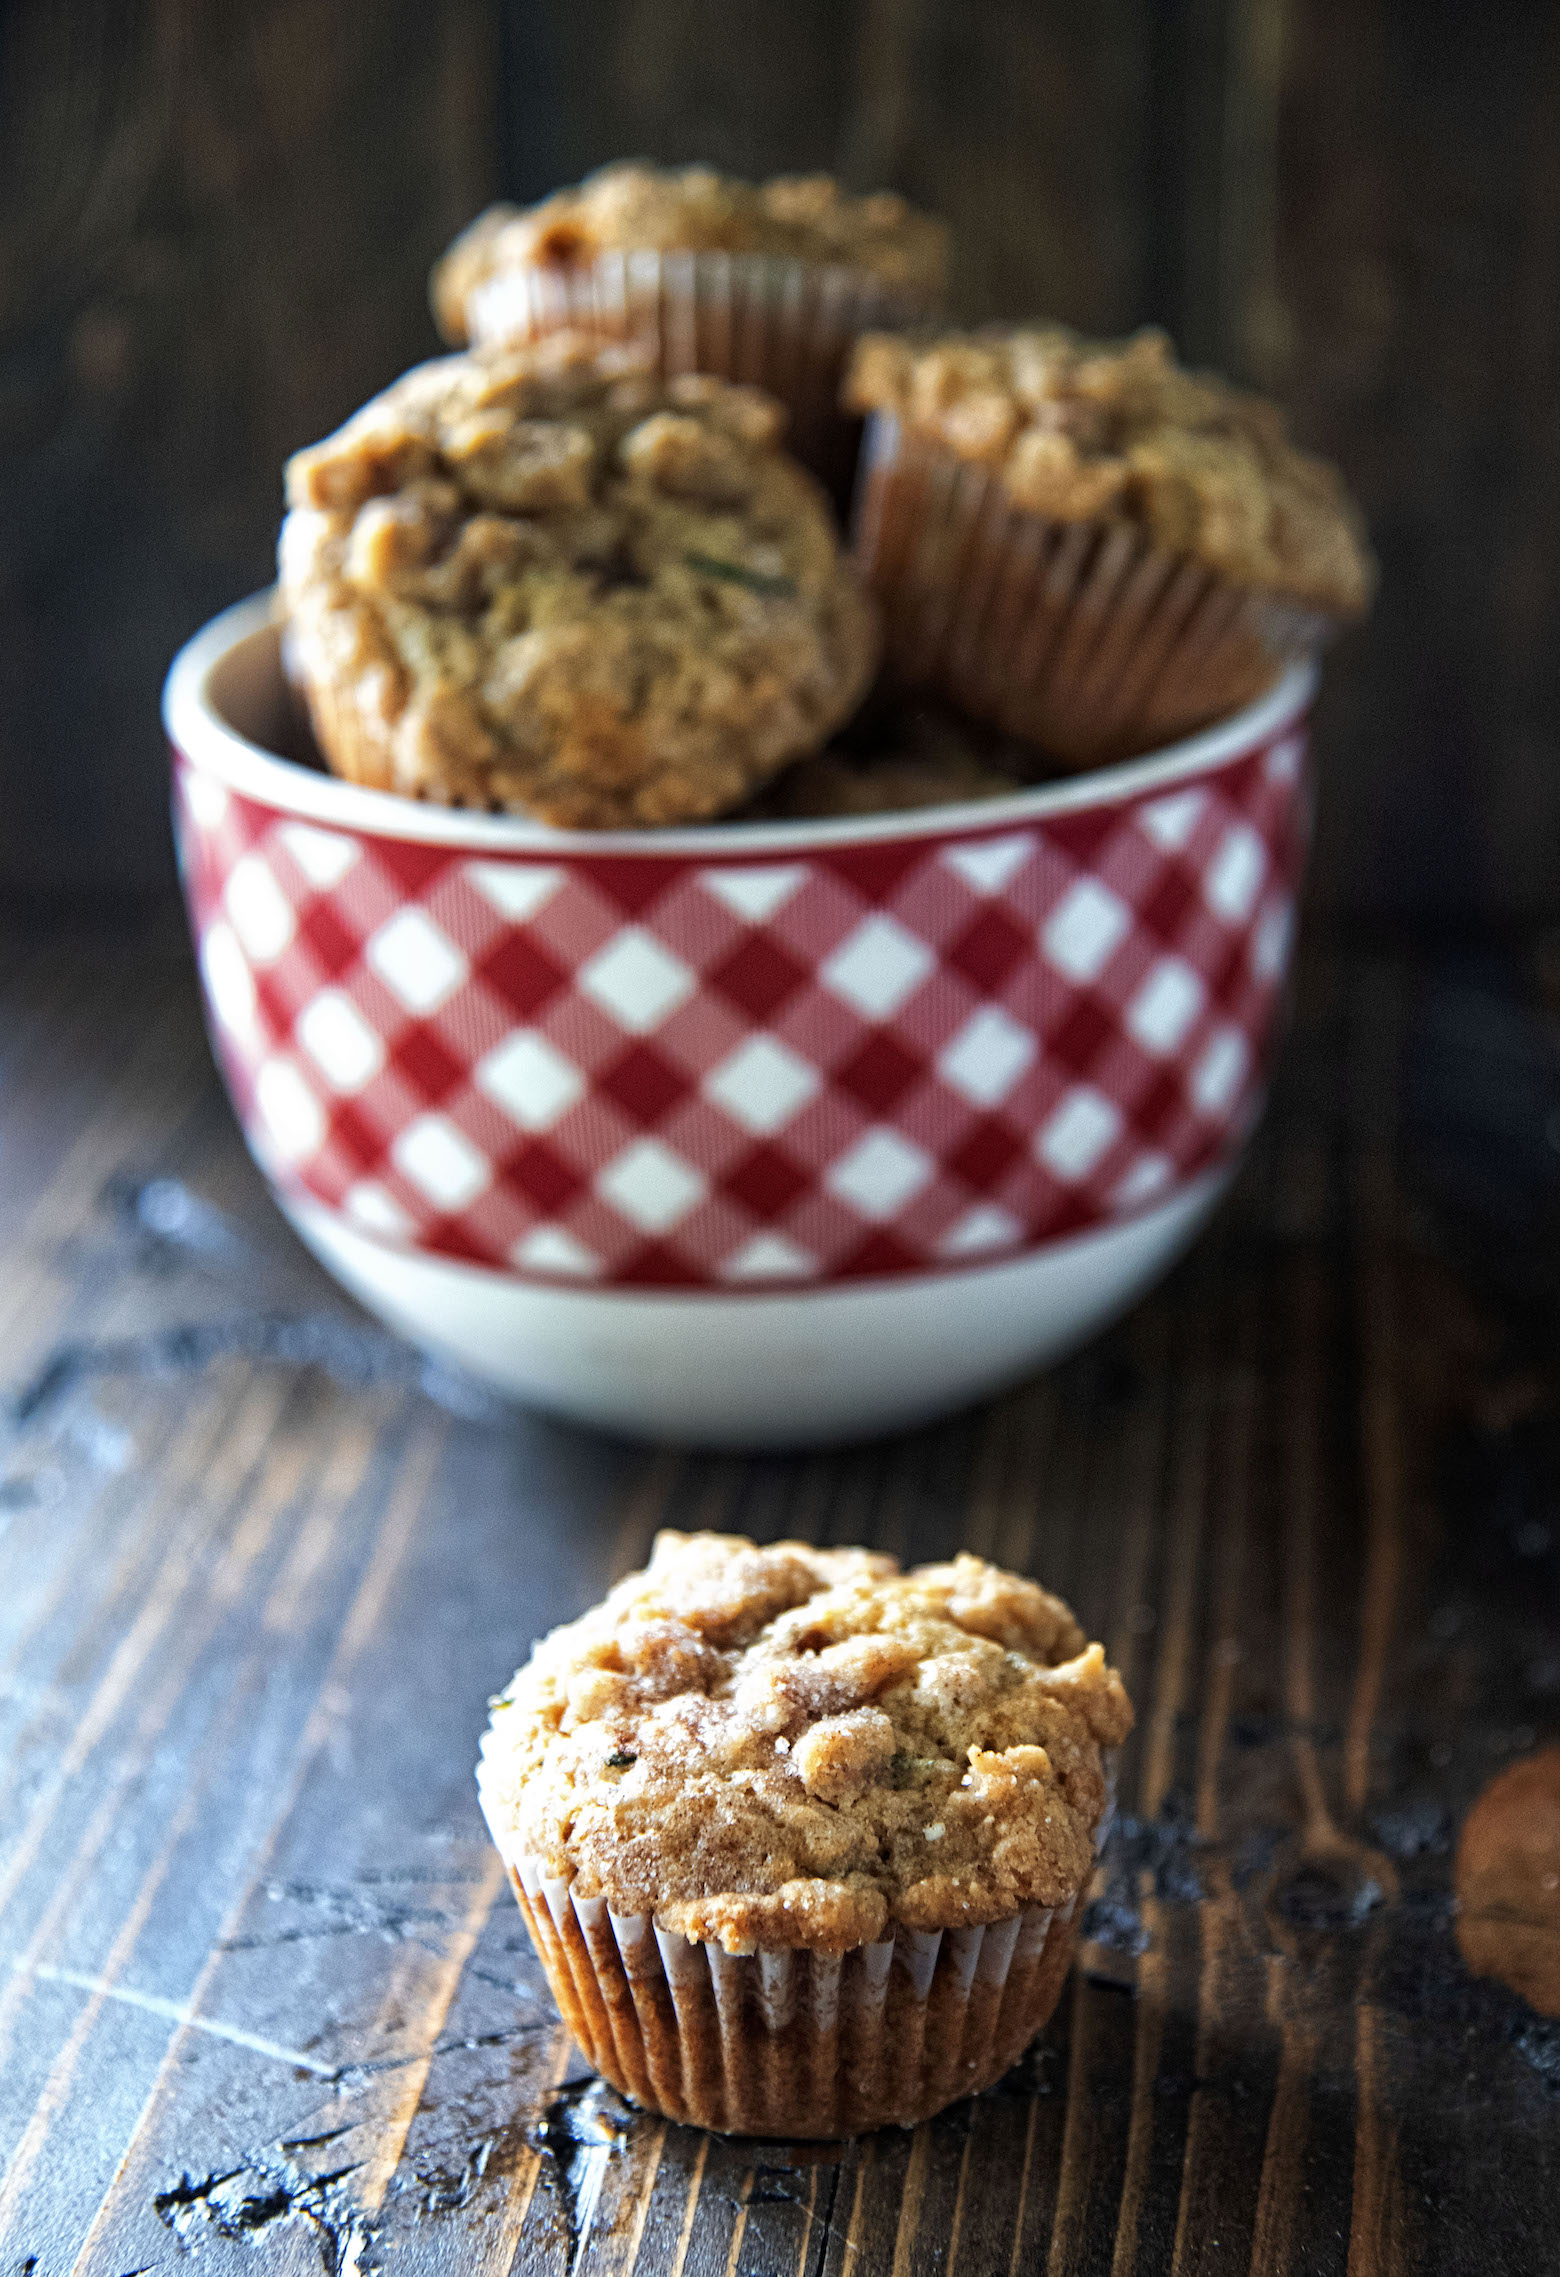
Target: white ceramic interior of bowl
x: 737, y: 1369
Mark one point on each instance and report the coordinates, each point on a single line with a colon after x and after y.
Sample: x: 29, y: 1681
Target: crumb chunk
x: 745, y: 413
x: 839, y: 1756
x: 525, y: 466
x: 687, y: 458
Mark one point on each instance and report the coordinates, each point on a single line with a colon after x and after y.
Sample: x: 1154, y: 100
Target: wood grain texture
x: 261, y: 1989
x: 1024, y: 126
x: 1417, y: 211
x: 217, y: 225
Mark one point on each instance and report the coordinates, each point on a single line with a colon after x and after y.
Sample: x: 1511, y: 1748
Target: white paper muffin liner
x: 781, y: 324
x: 1083, y: 637
x: 793, y: 2043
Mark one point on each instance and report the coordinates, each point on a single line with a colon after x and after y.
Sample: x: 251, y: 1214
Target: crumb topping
x: 796, y: 1747
x: 1078, y: 429
x: 539, y: 579
x: 629, y: 207
x: 897, y: 757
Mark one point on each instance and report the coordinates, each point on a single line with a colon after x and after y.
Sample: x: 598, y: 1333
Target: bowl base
x: 800, y: 1369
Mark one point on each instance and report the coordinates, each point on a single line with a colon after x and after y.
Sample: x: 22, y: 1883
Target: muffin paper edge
x: 793, y: 2043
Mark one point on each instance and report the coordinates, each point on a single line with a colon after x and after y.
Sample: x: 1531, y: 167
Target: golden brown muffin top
x: 1079, y: 429
x: 898, y: 756
x: 798, y: 1747
x: 631, y: 207
x: 540, y: 579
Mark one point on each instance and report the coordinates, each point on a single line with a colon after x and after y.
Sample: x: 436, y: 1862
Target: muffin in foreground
x: 1086, y: 545
x: 543, y: 580
x: 768, y: 282
x: 799, y: 1837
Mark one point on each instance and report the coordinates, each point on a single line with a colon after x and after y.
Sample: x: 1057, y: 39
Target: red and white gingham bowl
x: 757, y: 1133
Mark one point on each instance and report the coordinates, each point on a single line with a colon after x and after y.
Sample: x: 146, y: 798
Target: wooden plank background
x: 217, y: 224
x: 261, y: 1988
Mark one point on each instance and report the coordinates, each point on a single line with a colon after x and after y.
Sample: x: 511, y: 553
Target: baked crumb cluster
x: 541, y: 579
x: 630, y: 207
x: 896, y: 758
x: 1077, y: 430
x: 791, y: 1747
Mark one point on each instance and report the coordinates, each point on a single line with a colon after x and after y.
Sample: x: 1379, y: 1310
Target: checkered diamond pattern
x: 921, y: 1054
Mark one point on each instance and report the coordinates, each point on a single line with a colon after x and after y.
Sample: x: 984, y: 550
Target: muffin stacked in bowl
x: 799, y: 1837
x: 543, y: 579
x: 1086, y: 545
x: 768, y: 283
x: 590, y: 570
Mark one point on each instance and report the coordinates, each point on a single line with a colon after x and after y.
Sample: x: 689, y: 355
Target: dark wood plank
x: 216, y: 237
x: 1417, y: 211
x: 1024, y: 126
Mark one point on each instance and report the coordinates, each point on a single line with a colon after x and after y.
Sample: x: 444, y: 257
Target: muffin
x: 1086, y: 545
x: 765, y: 283
x: 800, y: 1837
x: 899, y: 757
x: 542, y: 580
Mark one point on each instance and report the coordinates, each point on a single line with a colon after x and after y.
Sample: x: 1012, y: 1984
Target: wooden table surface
x: 262, y: 1990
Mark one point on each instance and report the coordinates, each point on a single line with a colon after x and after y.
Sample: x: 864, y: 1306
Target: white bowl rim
x: 198, y: 730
